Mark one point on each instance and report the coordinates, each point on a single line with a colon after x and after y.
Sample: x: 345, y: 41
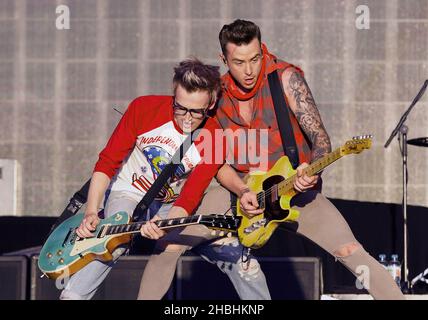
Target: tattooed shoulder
x: 303, y: 105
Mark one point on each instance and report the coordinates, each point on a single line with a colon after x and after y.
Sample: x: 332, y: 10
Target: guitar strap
x: 157, y: 185
x: 166, y: 173
x: 76, y: 202
x: 282, y: 112
x: 284, y: 124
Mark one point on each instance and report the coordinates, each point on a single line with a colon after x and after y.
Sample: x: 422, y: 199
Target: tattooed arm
x: 303, y: 106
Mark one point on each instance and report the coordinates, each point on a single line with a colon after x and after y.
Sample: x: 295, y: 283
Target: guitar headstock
x: 356, y: 145
x: 220, y: 222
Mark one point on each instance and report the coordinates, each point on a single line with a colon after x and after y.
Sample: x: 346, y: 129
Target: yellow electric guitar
x: 275, y: 190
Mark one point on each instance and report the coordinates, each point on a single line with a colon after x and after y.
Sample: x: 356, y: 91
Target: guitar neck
x: 162, y: 224
x: 314, y: 168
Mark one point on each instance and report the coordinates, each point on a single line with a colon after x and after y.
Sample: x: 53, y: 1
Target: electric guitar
x: 275, y: 190
x: 64, y: 253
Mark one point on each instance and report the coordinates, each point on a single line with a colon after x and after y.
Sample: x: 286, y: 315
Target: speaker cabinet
x: 13, y: 277
x: 287, y: 278
x: 196, y: 279
x: 122, y: 283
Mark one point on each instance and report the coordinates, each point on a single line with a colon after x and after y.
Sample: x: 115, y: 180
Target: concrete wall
x: 58, y: 87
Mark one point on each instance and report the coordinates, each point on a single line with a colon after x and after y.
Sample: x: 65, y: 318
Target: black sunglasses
x: 182, y: 111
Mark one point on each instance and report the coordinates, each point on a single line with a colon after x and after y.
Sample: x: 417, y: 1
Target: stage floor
x: 368, y: 297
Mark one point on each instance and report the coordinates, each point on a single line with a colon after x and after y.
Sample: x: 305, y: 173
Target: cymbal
x: 421, y: 142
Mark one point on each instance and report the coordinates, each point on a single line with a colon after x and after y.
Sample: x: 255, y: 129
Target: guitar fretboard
x: 285, y: 186
x: 314, y: 168
x: 162, y: 224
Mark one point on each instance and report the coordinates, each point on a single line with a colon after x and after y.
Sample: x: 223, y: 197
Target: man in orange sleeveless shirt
x: 247, y: 105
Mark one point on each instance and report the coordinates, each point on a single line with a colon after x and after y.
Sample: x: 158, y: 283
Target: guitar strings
x: 118, y: 227
x: 269, y: 191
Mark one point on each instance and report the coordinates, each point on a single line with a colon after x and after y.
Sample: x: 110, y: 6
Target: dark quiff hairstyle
x: 238, y: 32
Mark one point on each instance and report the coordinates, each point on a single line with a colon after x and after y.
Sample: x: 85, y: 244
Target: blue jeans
x: 247, y: 277
x: 245, y: 274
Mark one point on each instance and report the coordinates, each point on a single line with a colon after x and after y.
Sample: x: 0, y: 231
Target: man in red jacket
x: 143, y: 143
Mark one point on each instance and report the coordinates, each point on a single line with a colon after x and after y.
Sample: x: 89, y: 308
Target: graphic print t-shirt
x: 144, y: 142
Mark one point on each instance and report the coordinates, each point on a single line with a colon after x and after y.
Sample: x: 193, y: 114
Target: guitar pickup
x: 248, y: 230
x: 66, y: 240
x: 259, y: 223
x: 256, y: 225
x: 102, y: 232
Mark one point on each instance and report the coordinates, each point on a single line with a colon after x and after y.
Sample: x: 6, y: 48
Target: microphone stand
x: 402, y: 129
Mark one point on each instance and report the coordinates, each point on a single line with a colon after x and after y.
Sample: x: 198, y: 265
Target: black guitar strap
x: 76, y: 202
x: 282, y: 112
x: 284, y: 124
x: 166, y: 173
